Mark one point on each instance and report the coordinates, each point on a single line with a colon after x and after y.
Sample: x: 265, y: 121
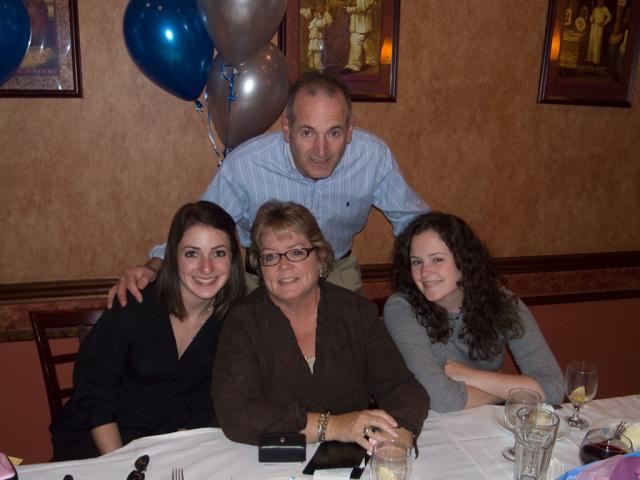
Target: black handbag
x: 282, y: 447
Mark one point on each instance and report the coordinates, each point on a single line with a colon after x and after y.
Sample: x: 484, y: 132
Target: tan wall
x: 88, y: 185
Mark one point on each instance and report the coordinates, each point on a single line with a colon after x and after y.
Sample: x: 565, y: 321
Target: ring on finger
x: 366, y: 431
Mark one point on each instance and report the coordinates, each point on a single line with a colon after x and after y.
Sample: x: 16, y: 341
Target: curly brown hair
x: 489, y: 311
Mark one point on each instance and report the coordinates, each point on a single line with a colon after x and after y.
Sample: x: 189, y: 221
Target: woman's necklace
x: 454, y: 318
x: 202, y: 322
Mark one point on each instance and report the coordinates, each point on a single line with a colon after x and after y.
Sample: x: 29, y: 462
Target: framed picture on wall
x: 590, y: 52
x: 51, y: 67
x: 355, y: 39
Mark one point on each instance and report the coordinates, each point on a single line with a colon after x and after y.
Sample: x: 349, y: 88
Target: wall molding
x: 62, y: 289
x: 538, y: 280
x: 508, y: 267
x: 551, y: 279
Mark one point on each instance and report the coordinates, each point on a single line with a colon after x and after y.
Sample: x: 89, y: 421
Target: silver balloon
x: 246, y: 100
x: 239, y: 28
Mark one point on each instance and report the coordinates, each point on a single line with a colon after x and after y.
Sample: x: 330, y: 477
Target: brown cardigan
x: 262, y: 383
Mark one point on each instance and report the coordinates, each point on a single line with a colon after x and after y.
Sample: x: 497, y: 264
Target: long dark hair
x: 168, y: 284
x: 489, y: 312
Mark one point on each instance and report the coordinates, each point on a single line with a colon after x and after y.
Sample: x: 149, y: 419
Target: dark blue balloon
x: 15, y: 36
x: 169, y: 42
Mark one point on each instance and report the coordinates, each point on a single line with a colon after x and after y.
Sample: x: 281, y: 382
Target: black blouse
x: 128, y: 371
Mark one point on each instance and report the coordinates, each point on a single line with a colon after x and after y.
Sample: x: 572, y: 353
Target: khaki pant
x: 345, y: 273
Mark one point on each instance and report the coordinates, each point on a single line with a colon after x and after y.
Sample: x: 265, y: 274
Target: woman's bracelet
x: 323, y: 421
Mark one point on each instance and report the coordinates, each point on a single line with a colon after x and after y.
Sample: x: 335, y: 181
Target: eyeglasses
x: 140, y: 467
x: 294, y: 255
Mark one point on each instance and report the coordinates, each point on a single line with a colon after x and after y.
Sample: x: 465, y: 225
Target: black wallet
x: 282, y: 447
x: 333, y: 454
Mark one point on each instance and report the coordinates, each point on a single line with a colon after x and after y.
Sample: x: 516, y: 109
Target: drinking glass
x: 516, y: 399
x: 390, y: 460
x: 536, y: 430
x: 600, y: 443
x: 581, y: 384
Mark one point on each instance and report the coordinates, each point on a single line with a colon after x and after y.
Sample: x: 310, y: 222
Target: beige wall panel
x: 88, y: 185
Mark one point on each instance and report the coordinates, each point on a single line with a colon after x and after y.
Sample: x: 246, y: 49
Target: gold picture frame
x: 355, y: 39
x: 590, y: 52
x: 51, y: 67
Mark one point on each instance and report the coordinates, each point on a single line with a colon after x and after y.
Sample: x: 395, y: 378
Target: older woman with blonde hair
x: 302, y: 355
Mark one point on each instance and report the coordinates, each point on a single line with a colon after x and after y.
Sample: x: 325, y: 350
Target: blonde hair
x: 281, y: 217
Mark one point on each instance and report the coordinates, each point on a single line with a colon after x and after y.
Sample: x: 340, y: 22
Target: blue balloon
x: 15, y: 36
x: 169, y: 42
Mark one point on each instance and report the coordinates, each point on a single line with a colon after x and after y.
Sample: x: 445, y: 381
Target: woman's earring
x: 323, y: 271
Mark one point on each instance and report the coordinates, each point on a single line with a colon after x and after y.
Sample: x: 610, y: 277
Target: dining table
x: 456, y: 445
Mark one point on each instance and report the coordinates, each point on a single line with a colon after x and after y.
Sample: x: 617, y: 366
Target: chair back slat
x: 45, y: 324
x: 63, y: 358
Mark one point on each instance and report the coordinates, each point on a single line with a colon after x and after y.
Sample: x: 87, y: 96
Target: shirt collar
x: 287, y: 150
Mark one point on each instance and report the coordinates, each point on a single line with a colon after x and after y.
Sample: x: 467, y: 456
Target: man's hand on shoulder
x: 134, y: 280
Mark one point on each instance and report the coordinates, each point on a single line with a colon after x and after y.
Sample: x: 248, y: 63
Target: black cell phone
x: 338, y: 455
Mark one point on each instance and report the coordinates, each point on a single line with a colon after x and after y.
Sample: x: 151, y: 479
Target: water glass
x: 516, y: 399
x: 536, y: 430
x: 390, y: 460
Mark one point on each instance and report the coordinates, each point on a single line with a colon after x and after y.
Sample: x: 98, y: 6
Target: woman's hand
x: 458, y: 371
x: 484, y: 386
x: 350, y: 427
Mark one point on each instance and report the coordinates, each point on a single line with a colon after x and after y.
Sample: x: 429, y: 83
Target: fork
x: 177, y: 474
x: 620, y: 429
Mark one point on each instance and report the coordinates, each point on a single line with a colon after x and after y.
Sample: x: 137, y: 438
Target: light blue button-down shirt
x: 367, y: 175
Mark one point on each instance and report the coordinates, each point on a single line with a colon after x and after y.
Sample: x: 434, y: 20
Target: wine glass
x: 516, y: 399
x: 600, y: 443
x: 581, y: 384
x: 390, y: 460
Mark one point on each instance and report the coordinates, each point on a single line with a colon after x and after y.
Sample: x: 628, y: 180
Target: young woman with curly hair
x: 453, y: 320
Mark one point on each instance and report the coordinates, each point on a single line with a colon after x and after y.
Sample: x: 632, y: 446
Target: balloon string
x: 230, y: 98
x: 200, y: 109
x: 231, y: 79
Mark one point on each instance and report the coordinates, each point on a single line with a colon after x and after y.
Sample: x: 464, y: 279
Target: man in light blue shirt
x: 318, y: 160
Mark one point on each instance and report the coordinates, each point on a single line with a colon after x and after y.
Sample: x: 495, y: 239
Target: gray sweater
x: 426, y: 360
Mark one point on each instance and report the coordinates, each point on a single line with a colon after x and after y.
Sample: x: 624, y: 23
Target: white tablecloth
x: 461, y: 445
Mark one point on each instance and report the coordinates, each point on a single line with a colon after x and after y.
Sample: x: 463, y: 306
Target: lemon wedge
x: 577, y: 395
x: 385, y: 474
x: 633, y: 433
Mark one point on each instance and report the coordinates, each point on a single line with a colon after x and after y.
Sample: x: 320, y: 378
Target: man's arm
x: 134, y: 280
x: 394, y: 197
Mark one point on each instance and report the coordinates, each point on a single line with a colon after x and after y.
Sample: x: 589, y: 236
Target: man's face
x: 319, y: 133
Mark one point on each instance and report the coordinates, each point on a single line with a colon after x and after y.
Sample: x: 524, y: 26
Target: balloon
x: 239, y: 28
x: 260, y: 88
x: 168, y: 41
x: 15, y: 36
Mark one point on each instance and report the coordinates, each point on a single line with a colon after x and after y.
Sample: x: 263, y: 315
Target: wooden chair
x: 43, y: 323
